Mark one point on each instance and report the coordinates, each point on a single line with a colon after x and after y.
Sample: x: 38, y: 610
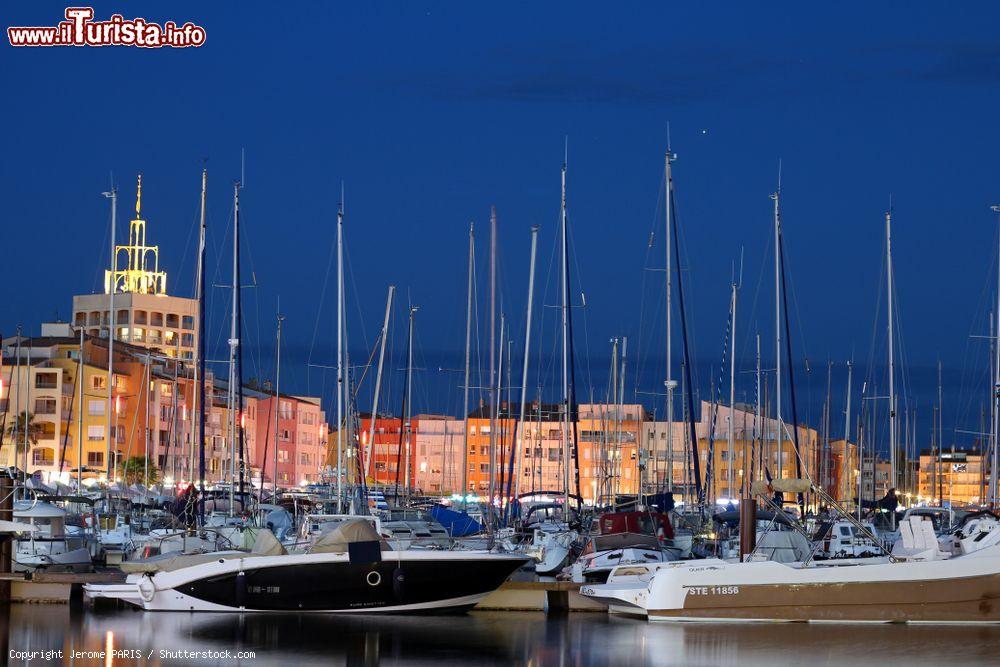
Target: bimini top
x: 26, y: 509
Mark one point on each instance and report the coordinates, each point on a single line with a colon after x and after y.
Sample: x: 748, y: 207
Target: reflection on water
x: 482, y: 639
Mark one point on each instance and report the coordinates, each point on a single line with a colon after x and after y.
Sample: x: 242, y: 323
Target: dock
x: 54, y: 587
x: 552, y: 597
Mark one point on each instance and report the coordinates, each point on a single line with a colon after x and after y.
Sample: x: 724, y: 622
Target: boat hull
x: 403, y: 582
x: 959, y: 591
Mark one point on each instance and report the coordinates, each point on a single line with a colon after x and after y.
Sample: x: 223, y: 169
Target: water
x: 479, y: 639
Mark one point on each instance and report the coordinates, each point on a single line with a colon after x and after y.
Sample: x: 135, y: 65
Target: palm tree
x: 133, y: 471
x: 13, y: 437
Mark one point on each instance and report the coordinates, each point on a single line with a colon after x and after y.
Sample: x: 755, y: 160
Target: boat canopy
x: 348, y: 532
x: 37, y: 510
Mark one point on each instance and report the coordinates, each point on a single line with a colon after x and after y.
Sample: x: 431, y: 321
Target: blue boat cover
x: 458, y: 524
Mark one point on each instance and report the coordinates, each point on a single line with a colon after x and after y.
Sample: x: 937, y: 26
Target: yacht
x: 52, y: 542
x: 347, y: 570
x: 920, y: 583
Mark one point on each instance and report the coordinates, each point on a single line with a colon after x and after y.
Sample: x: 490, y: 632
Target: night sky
x: 429, y: 113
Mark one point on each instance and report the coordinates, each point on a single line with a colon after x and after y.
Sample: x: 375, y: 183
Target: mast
x: 409, y: 395
x: 776, y: 197
x: 277, y: 407
x: 493, y: 374
x: 112, y: 320
x: 565, y: 346
x: 671, y: 384
x: 847, y: 436
x: 239, y: 416
x: 200, y: 374
x: 340, y: 353
x: 730, y: 473
x: 992, y: 493
x: 378, y: 380
x: 235, y: 437
x: 518, y: 428
x: 892, y: 361
x: 465, y: 390
x: 79, y: 434
x: 756, y: 415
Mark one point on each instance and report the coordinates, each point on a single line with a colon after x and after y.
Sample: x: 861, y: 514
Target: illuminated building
x: 146, y: 315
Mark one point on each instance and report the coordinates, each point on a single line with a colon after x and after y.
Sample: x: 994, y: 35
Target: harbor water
x: 62, y: 635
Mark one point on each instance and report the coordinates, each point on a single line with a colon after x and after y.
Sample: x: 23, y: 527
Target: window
x: 282, y: 456
x: 46, y: 380
x: 553, y: 454
x: 188, y: 322
x: 156, y: 319
x: 43, y: 456
x: 484, y: 467
x: 95, y: 407
x: 95, y: 433
x: 45, y: 406
x: 139, y: 317
x: 187, y: 340
x: 98, y: 382
x: 172, y: 320
x: 304, y: 459
x: 95, y: 459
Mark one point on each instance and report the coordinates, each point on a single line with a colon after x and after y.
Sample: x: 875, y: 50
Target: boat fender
x: 241, y: 589
x: 398, y: 582
x: 147, y: 589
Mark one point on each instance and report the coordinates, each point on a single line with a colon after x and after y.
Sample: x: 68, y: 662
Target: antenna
x: 243, y: 175
x: 566, y: 151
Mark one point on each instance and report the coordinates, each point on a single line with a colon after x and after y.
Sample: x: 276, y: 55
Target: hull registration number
x: 713, y: 590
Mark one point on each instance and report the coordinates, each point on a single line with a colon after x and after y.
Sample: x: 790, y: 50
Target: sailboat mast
x: 200, y: 373
x: 519, y: 428
x: 892, y: 356
x: 670, y: 383
x: 277, y: 405
x: 465, y: 388
x: 234, y: 343
x: 776, y: 197
x: 565, y: 345
x: 340, y: 354
x: 992, y: 493
x: 79, y: 434
x: 756, y: 416
x: 493, y: 374
x: 112, y: 320
x: 239, y: 416
x: 731, y: 472
x: 409, y: 394
x: 845, y: 481
x: 378, y: 380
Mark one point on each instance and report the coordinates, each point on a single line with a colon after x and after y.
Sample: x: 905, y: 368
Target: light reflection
x: 485, y: 639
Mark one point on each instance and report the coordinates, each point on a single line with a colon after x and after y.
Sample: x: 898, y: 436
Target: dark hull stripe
x: 351, y: 586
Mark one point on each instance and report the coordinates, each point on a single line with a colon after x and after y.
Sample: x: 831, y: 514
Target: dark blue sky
x: 431, y: 112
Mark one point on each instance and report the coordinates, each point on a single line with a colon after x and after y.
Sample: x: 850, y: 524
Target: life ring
x: 374, y: 578
x: 147, y: 589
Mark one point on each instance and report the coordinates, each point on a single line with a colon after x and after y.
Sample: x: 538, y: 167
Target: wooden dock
x: 552, y: 597
x: 54, y: 587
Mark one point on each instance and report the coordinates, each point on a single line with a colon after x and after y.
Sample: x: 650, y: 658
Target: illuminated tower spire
x: 137, y: 277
